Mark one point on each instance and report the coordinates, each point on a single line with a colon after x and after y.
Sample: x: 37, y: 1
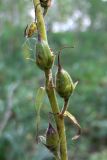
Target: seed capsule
x: 45, y: 3
x: 30, y: 30
x: 44, y: 56
x: 64, y: 84
x: 52, y: 140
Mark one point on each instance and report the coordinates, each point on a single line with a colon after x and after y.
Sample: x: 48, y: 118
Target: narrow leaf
x: 38, y: 104
x: 75, y: 122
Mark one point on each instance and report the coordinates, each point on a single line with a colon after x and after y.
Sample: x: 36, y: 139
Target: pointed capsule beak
x: 75, y: 84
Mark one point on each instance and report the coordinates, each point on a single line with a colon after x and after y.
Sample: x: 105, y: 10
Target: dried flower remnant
x: 30, y: 30
x: 45, y: 4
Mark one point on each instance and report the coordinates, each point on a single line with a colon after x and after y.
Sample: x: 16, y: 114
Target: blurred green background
x: 82, y: 24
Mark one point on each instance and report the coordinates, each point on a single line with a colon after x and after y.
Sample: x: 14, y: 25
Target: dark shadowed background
x: 82, y: 24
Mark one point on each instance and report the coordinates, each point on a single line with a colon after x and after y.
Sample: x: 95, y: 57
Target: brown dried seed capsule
x: 45, y: 4
x: 30, y: 30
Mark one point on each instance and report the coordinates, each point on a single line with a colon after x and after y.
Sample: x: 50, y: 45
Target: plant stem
x: 64, y: 107
x: 57, y: 158
x: 40, y: 19
x: 50, y: 87
x: 55, y: 109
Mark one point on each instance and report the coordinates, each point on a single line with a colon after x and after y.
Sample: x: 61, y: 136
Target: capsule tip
x: 75, y: 84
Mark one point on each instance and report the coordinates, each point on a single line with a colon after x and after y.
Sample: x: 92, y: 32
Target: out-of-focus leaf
x: 26, y: 50
x: 38, y: 104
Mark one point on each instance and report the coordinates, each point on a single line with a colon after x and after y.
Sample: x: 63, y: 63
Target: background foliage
x: 20, y: 78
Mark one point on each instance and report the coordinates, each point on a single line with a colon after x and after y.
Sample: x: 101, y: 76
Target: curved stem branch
x: 64, y: 107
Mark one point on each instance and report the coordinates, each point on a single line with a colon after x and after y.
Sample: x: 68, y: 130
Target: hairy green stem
x: 50, y: 87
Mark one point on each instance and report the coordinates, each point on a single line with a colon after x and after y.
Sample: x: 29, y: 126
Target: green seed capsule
x: 52, y: 140
x: 51, y: 136
x: 44, y: 56
x: 64, y: 83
